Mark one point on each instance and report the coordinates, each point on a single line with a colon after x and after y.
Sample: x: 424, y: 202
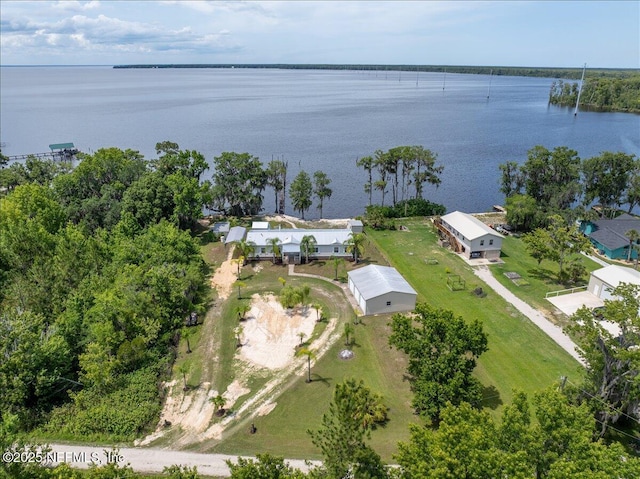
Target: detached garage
x: 604, y: 280
x: 381, y: 289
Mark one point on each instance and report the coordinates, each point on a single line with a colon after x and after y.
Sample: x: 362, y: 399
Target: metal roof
x: 61, y: 146
x: 469, y: 226
x: 613, y: 275
x: 322, y: 236
x: 260, y: 225
x: 375, y: 280
x: 235, y: 234
x: 220, y: 227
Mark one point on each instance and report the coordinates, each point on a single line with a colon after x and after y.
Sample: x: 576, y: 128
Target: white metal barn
x: 381, y: 289
x: 604, y: 280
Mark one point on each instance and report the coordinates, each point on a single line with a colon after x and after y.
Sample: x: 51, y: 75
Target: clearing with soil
x: 270, y: 335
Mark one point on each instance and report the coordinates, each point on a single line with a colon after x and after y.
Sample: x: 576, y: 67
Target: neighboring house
x: 260, y: 225
x: 381, y: 289
x: 329, y: 242
x: 609, y: 236
x: 235, y: 234
x: 356, y: 226
x: 470, y: 236
x: 220, y: 228
x: 604, y: 280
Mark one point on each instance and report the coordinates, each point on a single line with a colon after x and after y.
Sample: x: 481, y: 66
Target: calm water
x: 317, y: 120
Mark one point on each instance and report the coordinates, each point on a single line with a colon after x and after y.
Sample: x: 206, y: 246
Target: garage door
x: 606, y: 292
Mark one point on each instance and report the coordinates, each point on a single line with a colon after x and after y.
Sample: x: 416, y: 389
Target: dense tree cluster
x: 97, y: 274
x: 554, y: 182
x: 602, y: 94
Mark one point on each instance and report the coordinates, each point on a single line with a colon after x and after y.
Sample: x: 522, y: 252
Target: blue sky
x: 507, y: 33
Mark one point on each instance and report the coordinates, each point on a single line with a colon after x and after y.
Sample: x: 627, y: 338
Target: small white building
x: 381, y: 289
x: 472, y: 237
x: 356, y: 226
x: 604, y: 280
x: 260, y: 225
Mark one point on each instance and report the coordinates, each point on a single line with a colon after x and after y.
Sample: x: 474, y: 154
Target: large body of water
x: 314, y: 119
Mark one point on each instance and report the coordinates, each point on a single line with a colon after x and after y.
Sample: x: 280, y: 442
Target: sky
x: 603, y: 34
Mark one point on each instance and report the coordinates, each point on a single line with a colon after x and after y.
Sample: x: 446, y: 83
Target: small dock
x: 499, y: 209
x: 59, y: 152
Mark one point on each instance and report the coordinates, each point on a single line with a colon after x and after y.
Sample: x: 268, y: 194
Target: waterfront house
x: 470, y: 236
x: 328, y: 242
x: 608, y: 236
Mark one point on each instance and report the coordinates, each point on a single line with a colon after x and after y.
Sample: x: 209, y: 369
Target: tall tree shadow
x: 491, y: 397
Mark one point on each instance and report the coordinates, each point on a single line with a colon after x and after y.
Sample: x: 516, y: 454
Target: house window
x: 336, y: 249
x: 490, y: 241
x: 388, y: 303
x: 481, y: 242
x: 315, y: 250
x: 263, y: 250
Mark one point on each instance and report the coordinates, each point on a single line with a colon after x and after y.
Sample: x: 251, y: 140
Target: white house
x: 329, y: 242
x: 604, y: 280
x: 470, y: 236
x: 381, y: 289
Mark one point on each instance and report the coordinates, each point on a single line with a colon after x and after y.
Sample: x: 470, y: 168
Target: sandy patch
x: 317, y: 223
x: 225, y: 276
x: 266, y: 408
x: 271, y: 333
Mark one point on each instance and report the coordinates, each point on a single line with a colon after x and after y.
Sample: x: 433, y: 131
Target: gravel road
x: 148, y: 460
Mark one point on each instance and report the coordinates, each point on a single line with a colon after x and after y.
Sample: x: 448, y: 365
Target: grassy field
x: 520, y: 355
x: 300, y: 408
x: 538, y: 279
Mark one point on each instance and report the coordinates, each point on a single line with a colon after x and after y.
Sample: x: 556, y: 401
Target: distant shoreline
x: 540, y: 72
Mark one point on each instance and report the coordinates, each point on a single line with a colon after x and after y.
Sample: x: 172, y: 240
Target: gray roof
x: 235, y: 234
x: 220, y: 227
x: 374, y: 280
x: 611, y: 233
x: 469, y: 226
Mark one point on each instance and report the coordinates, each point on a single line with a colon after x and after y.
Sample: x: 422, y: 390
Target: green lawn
x: 541, y: 279
x: 520, y: 355
x: 300, y: 408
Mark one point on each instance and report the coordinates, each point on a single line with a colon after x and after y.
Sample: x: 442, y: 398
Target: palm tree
x: 310, y: 354
x: 317, y: 307
x: 301, y: 335
x: 348, y: 334
x: 305, y: 291
x: 246, y: 249
x: 240, y: 261
x: 307, y: 243
x: 337, y: 261
x: 275, y: 247
x: 321, y: 188
x: 633, y: 236
x: 218, y: 401
x: 241, y: 310
x: 184, y: 370
x: 240, y: 284
x: 355, y: 245
x: 237, y: 331
x: 186, y: 333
